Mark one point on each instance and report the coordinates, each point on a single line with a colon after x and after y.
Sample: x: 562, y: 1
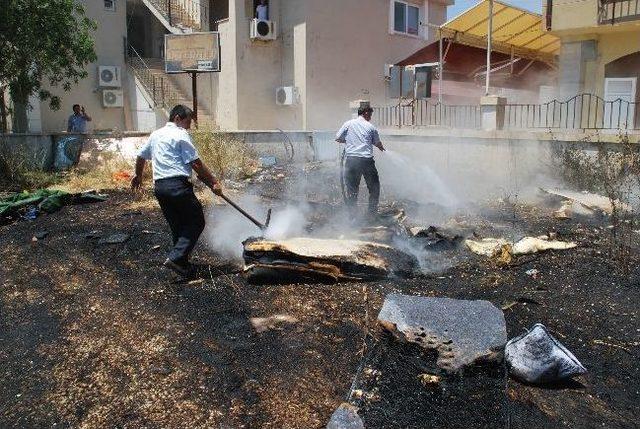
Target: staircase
x: 179, y: 16
x: 162, y: 87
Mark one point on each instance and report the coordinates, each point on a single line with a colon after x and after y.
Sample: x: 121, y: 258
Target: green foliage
x: 43, y: 41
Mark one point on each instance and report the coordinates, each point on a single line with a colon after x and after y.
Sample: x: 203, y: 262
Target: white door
x: 619, y: 96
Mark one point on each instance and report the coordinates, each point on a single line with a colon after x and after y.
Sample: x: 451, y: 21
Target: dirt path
x: 96, y: 335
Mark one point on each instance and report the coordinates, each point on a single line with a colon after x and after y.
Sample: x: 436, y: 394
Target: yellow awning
x: 514, y: 30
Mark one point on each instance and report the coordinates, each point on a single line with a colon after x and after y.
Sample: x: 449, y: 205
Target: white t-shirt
x: 263, y: 12
x: 171, y: 151
x: 360, y: 136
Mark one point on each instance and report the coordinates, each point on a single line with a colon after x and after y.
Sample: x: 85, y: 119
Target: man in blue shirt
x: 360, y: 137
x: 77, y: 122
x: 173, y: 157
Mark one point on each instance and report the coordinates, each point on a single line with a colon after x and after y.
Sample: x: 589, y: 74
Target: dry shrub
x: 226, y: 155
x: 112, y: 172
x: 613, y: 171
x: 19, y: 172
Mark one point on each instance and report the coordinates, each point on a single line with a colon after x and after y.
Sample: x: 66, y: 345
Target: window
x: 406, y: 18
x: 110, y: 5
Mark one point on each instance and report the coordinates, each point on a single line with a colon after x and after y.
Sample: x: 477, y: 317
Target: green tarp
x: 44, y: 200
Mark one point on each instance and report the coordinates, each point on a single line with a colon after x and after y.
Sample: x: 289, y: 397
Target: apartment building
x: 600, y: 51
x: 92, y: 92
x: 320, y: 54
x: 331, y: 52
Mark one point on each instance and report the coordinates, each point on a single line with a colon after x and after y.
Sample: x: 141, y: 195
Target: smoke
x: 434, y: 180
x: 227, y: 228
x: 415, y: 180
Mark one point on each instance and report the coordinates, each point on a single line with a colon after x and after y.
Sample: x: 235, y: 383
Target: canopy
x: 515, y: 31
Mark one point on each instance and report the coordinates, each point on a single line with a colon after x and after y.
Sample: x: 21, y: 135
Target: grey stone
x: 463, y: 332
x: 41, y: 235
x: 114, y: 239
x: 345, y: 417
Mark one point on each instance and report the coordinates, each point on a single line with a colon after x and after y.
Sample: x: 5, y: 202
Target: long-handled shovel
x: 260, y: 225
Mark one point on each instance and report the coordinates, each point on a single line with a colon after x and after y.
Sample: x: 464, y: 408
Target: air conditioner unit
x: 262, y: 30
x: 109, y: 77
x: 287, y: 95
x: 112, y: 98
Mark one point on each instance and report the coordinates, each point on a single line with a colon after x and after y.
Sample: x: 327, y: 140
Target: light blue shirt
x: 171, y: 151
x: 360, y: 136
x: 77, y: 124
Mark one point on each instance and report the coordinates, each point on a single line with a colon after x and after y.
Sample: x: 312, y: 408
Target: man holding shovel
x: 360, y: 138
x: 173, y: 158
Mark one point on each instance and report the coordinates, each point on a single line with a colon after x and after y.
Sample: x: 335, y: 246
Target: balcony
x: 616, y: 11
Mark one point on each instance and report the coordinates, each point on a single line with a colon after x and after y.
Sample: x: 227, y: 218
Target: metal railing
x: 583, y: 111
x: 155, y: 82
x: 422, y: 113
x: 613, y: 11
x: 187, y: 13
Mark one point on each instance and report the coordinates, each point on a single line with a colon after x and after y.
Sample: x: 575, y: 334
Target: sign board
x: 192, y: 52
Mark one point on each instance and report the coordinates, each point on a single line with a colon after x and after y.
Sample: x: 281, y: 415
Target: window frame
x: 407, y: 5
x: 109, y: 9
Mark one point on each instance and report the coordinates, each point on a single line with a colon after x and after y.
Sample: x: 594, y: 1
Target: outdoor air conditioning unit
x: 112, y: 98
x: 109, y: 76
x: 262, y: 30
x: 287, y: 95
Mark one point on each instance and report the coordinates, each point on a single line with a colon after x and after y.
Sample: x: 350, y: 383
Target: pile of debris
x: 434, y: 354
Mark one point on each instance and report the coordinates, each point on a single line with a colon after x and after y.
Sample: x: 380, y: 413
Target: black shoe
x: 185, y: 271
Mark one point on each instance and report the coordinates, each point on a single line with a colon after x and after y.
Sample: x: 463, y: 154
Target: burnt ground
x: 96, y: 335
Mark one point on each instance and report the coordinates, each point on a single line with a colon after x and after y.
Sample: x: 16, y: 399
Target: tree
x: 44, y: 44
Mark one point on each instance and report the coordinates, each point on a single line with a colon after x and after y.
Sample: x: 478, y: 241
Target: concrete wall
x: 109, y: 46
x: 35, y: 150
x: 144, y: 116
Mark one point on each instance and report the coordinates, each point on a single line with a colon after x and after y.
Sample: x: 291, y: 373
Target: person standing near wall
x: 262, y: 11
x: 77, y: 122
x: 360, y: 137
x: 173, y: 158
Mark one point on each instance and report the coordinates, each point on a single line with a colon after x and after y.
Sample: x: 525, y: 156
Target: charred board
x: 323, y: 260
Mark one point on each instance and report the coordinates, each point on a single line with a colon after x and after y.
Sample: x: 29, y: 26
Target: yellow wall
x: 572, y: 14
x: 610, y: 47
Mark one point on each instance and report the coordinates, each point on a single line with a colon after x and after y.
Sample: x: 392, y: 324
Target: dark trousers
x: 183, y: 212
x: 356, y: 167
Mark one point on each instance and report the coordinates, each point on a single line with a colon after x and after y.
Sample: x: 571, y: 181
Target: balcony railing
x: 614, y: 11
x: 187, y: 13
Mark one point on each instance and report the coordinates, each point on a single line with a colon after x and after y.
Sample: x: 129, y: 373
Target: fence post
x: 492, y: 109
